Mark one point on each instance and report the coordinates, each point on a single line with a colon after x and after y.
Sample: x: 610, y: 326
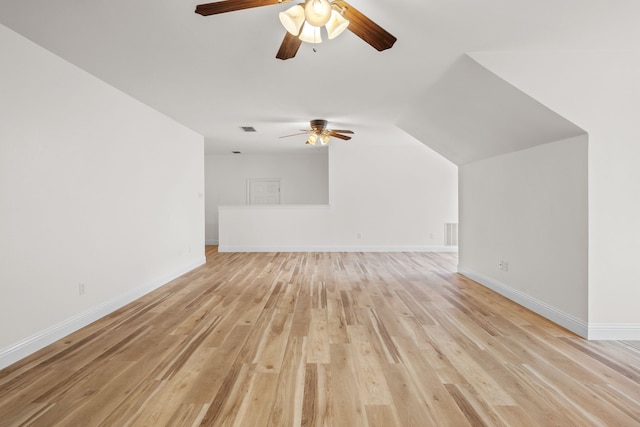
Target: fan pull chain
x: 314, y: 42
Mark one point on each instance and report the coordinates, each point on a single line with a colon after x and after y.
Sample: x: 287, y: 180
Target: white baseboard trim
x: 563, y: 319
x: 614, y: 331
x: 30, y: 345
x: 210, y: 242
x: 416, y: 248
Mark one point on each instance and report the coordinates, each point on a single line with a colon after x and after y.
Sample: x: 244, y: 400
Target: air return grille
x: 451, y: 234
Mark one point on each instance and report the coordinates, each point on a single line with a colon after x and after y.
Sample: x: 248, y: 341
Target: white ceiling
x: 215, y: 74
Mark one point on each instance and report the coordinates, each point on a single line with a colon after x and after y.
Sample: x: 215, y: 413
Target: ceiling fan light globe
x: 312, y: 139
x: 336, y: 25
x: 317, y: 12
x: 292, y: 19
x: 324, y: 139
x: 310, y: 34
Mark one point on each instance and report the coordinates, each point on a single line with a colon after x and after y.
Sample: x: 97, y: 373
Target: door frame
x: 250, y: 181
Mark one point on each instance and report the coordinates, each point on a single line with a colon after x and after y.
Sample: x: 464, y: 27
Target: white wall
x: 304, y: 180
x: 385, y: 186
x: 600, y: 92
x: 529, y: 208
x: 94, y: 188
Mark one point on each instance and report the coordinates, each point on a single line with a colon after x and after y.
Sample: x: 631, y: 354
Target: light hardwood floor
x: 314, y: 339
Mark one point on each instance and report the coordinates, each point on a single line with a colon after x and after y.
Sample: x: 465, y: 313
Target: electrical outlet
x: 359, y: 235
x: 81, y: 288
x: 504, y: 265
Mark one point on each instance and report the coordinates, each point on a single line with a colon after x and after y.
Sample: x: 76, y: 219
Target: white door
x: 263, y: 191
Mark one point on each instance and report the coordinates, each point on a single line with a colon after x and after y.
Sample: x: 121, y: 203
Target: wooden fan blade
x: 337, y: 135
x: 232, y: 5
x: 341, y: 131
x: 365, y: 28
x: 289, y: 47
x: 293, y: 134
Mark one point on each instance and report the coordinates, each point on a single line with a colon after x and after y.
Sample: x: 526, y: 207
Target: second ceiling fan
x: 320, y: 133
x: 303, y: 22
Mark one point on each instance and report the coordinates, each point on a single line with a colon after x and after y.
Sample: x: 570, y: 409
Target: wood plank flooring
x: 324, y: 339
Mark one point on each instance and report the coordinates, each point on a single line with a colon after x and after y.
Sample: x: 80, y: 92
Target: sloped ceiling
x: 215, y: 74
x: 471, y: 114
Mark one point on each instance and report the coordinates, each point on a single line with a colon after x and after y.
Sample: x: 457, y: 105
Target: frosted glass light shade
x: 324, y: 139
x: 292, y: 19
x: 310, y: 34
x: 336, y: 25
x: 317, y: 12
x: 312, y: 139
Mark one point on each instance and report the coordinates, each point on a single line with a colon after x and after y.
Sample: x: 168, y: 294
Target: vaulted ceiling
x: 215, y: 74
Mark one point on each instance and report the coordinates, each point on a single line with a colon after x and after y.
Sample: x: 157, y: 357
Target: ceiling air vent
x: 248, y: 128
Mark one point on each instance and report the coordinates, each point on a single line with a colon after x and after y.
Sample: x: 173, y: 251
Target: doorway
x: 263, y: 191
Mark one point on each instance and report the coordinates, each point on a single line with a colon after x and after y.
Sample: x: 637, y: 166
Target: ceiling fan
x: 320, y: 132
x: 303, y: 22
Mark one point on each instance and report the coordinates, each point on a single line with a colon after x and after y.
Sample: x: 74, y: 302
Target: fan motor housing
x: 318, y: 125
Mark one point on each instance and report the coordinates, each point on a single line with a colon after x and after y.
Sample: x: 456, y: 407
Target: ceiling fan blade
x: 337, y: 135
x: 224, y: 6
x: 293, y: 134
x: 341, y: 131
x: 365, y: 28
x: 289, y: 46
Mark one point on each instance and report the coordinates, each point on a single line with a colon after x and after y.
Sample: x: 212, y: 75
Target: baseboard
x: 210, y: 242
x: 416, y: 248
x: 614, y: 331
x: 27, y: 346
x: 563, y: 319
